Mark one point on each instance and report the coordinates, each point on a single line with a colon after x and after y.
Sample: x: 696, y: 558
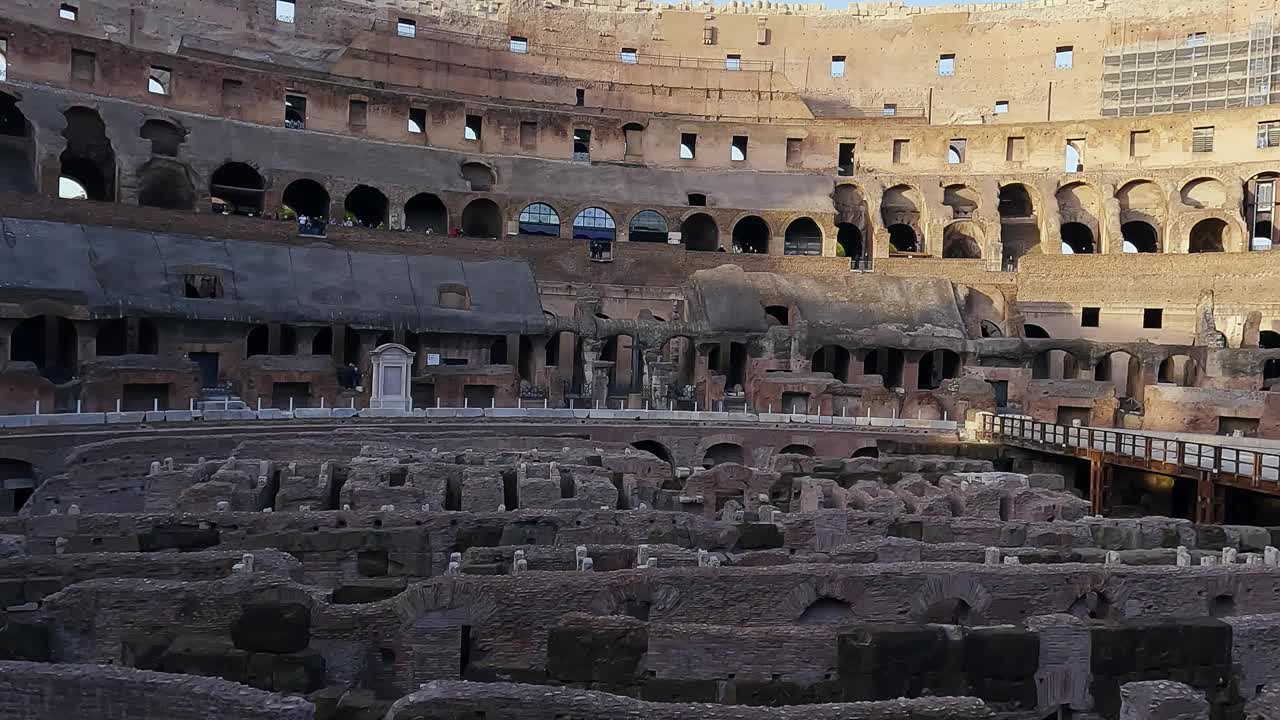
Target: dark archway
x: 870, y: 451
x: 780, y: 314
x: 89, y: 159
x: 125, y: 336
x: 17, y: 484
x: 1139, y: 237
x: 1270, y: 340
x: 426, y: 213
x: 1019, y: 229
x: 165, y: 137
x: 849, y: 240
x: 803, y: 237
x: 322, y: 342
x: 885, y: 362
x: 1077, y: 239
x: 832, y: 359
x: 937, y: 366
x: 1030, y: 330
x: 366, y: 207
x: 903, y: 238
x: 656, y: 448
x: 751, y: 235
x: 1208, y: 235
x: 17, y: 148
x: 239, y: 189
x: 306, y: 197
x: 700, y: 233
x: 49, y: 342
x: 498, y: 351
x: 482, y: 218
x: 721, y: 453
x: 647, y: 226
x: 165, y: 184
x: 1180, y: 370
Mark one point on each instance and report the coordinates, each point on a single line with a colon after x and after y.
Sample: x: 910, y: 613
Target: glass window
x: 519, y: 44
x: 540, y: 219
x: 1064, y: 57
x: 285, y: 10
x: 947, y: 65
x: 406, y: 28
x: 733, y: 62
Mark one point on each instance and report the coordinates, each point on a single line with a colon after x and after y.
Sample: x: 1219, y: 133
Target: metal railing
x: 1250, y: 468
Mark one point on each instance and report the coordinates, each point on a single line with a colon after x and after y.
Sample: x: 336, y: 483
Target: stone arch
x: 700, y: 232
x: 306, y: 197
x: 366, y: 206
x: 594, y: 223
x: 647, y: 226
x: 832, y: 359
x: 239, y: 188
x: 165, y: 137
x: 1031, y: 330
x: 163, y: 183
x: 482, y: 218
x: 849, y: 242
x: 1078, y: 239
x: 798, y: 449
x: 1208, y: 235
x: 1122, y: 369
x: 723, y: 452
x: 1081, y: 203
x: 1139, y: 236
x: 1179, y: 369
x: 89, y: 159
x: 426, y: 212
x: 1141, y: 198
x: 900, y: 211
x: 539, y: 218
x: 17, y: 148
x: 886, y: 362
x: 961, y: 199
x: 1054, y: 365
x: 803, y: 237
x: 963, y: 239
x: 113, y: 338
x: 480, y: 176
x: 655, y: 448
x: 1019, y: 226
x: 951, y: 599
x: 751, y: 235
x: 1204, y: 193
x: 936, y: 366
x: 48, y: 342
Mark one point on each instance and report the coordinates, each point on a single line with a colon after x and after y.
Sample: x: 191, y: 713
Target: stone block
x: 1161, y: 700
x: 603, y: 650
x: 297, y: 672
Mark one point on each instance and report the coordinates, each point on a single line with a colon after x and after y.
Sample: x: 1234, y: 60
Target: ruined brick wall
x: 37, y: 691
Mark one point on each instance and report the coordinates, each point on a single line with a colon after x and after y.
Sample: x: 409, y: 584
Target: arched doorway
x: 366, y: 206
x: 17, y: 148
x: 305, y: 197
x: 237, y: 189
x: 1270, y: 340
x: 1019, y: 228
x: 1122, y: 370
x: 1077, y: 239
x: 885, y: 362
x: 426, y: 213
x: 1208, y: 235
x: 88, y: 161
x: 1139, y: 237
x: 17, y: 484
x: 722, y: 453
x: 127, y: 336
x: 647, y: 226
x: 165, y: 137
x: 1180, y: 370
x: 481, y: 218
x: 700, y: 233
x: 848, y: 240
x: 539, y: 219
x: 803, y: 237
x: 49, y: 342
x: 751, y: 235
x: 832, y: 359
x: 903, y: 238
x: 1030, y: 330
x: 937, y: 366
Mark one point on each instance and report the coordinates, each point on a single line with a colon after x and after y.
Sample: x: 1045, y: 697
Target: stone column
x: 86, y: 343
x: 306, y: 336
x: 273, y: 338
x: 600, y: 381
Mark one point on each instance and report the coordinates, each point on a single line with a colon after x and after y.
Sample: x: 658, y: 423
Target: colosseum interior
x: 587, y: 360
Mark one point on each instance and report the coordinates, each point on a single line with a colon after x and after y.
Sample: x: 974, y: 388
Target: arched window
x: 594, y: 223
x: 803, y: 237
x: 540, y: 219
x: 366, y: 207
x: 306, y: 197
x: 751, y: 235
x: 647, y: 226
x: 426, y: 213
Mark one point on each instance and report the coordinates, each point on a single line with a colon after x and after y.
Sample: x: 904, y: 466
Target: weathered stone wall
x: 37, y: 691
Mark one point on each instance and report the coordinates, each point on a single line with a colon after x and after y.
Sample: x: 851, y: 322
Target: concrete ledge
x: 314, y: 413
x: 230, y: 415
x: 177, y: 416
x: 70, y: 419
x: 548, y: 413
x: 385, y: 413
x: 345, y: 412
x: 506, y: 412
x: 743, y: 417
x: 274, y: 414
x: 123, y: 417
x: 774, y: 418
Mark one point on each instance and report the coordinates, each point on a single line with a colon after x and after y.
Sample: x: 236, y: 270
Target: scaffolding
x: 1194, y: 72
